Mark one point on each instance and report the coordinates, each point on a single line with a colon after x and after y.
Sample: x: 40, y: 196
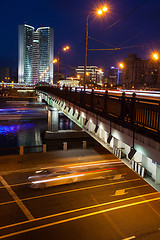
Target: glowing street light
x: 121, y: 65
x: 105, y: 9
x: 100, y: 11
x: 156, y: 72
x: 155, y: 56
x: 55, y: 60
x: 66, y: 48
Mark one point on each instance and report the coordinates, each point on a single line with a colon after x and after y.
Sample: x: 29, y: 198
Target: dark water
x: 15, y: 133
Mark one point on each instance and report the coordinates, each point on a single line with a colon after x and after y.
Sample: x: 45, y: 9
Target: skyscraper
x: 35, y: 54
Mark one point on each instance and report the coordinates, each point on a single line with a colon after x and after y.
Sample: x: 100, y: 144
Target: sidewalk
x: 56, y: 158
x: 50, y: 159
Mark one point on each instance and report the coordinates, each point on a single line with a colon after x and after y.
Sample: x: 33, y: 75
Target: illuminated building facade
x: 94, y: 75
x: 35, y: 54
x: 5, y: 74
x: 114, y: 76
x: 139, y: 73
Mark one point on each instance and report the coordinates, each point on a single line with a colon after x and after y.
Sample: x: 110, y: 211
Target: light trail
x: 141, y: 93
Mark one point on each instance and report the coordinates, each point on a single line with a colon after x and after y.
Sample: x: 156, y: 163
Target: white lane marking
x: 26, y: 183
x: 120, y: 192
x: 79, y: 217
x: 129, y: 238
x: 117, y: 177
x: 73, y: 190
x: 82, y: 189
x: 107, y: 161
x: 17, y: 184
x: 81, y: 209
x: 17, y: 200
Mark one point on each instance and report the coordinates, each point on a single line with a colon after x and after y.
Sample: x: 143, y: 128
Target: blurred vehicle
x: 53, y: 177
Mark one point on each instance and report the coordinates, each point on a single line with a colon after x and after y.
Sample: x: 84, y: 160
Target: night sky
x: 132, y: 25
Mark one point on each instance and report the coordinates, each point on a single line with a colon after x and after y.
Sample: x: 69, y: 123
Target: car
x: 50, y: 177
x: 54, y: 177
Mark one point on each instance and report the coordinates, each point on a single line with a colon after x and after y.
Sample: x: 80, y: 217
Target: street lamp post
x: 99, y: 12
x: 86, y: 46
x: 64, y: 49
x: 58, y: 67
x: 155, y: 57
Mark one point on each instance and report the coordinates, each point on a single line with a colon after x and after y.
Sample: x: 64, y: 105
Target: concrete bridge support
x: 52, y: 119
x: 117, y: 138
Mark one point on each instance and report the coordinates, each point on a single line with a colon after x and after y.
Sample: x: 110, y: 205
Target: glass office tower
x: 45, y: 53
x: 35, y: 54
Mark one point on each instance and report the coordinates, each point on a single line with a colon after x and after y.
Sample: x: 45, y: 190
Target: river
x: 22, y: 130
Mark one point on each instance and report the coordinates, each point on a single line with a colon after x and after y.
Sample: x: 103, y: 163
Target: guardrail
x: 141, y: 115
x: 137, y: 167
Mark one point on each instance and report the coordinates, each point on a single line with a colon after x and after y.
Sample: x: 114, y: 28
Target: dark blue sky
x: 137, y: 31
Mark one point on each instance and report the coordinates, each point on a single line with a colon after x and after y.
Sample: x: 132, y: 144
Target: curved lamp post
x: 99, y: 12
x: 155, y: 57
x: 64, y: 49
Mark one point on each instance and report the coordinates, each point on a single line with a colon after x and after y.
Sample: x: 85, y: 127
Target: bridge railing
x: 136, y: 113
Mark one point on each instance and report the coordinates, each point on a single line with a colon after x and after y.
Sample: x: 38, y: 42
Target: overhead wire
x: 107, y: 44
x: 117, y: 48
x: 129, y: 13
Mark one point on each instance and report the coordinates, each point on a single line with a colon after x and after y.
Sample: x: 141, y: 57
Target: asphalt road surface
x: 121, y: 206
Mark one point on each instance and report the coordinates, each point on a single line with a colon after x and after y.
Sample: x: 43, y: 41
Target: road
x: 149, y: 95
x: 122, y: 206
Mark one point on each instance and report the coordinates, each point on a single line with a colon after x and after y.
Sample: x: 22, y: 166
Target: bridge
x: 130, y: 126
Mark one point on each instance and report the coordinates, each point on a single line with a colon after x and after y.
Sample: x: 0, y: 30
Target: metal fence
x: 141, y: 115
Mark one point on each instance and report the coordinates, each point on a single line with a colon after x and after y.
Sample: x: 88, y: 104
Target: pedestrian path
x: 47, y: 159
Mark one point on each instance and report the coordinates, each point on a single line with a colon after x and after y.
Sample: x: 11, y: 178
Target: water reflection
x: 11, y: 128
x: 15, y: 133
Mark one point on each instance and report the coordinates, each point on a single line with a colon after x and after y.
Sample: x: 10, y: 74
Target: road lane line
x: 78, y: 217
x: 26, y: 183
x: 78, y: 210
x: 117, y: 177
x: 73, y: 190
x: 81, y: 189
x: 17, y: 200
x: 129, y: 238
x: 14, y: 185
x: 123, y: 191
x: 25, y: 199
x: 5, y: 203
x: 66, y: 165
x: 120, y: 192
x: 145, y: 185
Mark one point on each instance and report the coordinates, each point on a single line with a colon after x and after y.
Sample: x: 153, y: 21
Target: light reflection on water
x: 15, y: 133
x: 14, y: 128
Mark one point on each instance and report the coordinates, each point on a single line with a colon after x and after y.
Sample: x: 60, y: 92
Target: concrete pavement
x: 54, y: 158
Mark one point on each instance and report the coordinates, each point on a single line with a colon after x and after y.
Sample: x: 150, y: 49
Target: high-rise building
x: 35, y: 54
x: 114, y: 76
x: 139, y: 73
x: 5, y: 74
x: 94, y: 75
